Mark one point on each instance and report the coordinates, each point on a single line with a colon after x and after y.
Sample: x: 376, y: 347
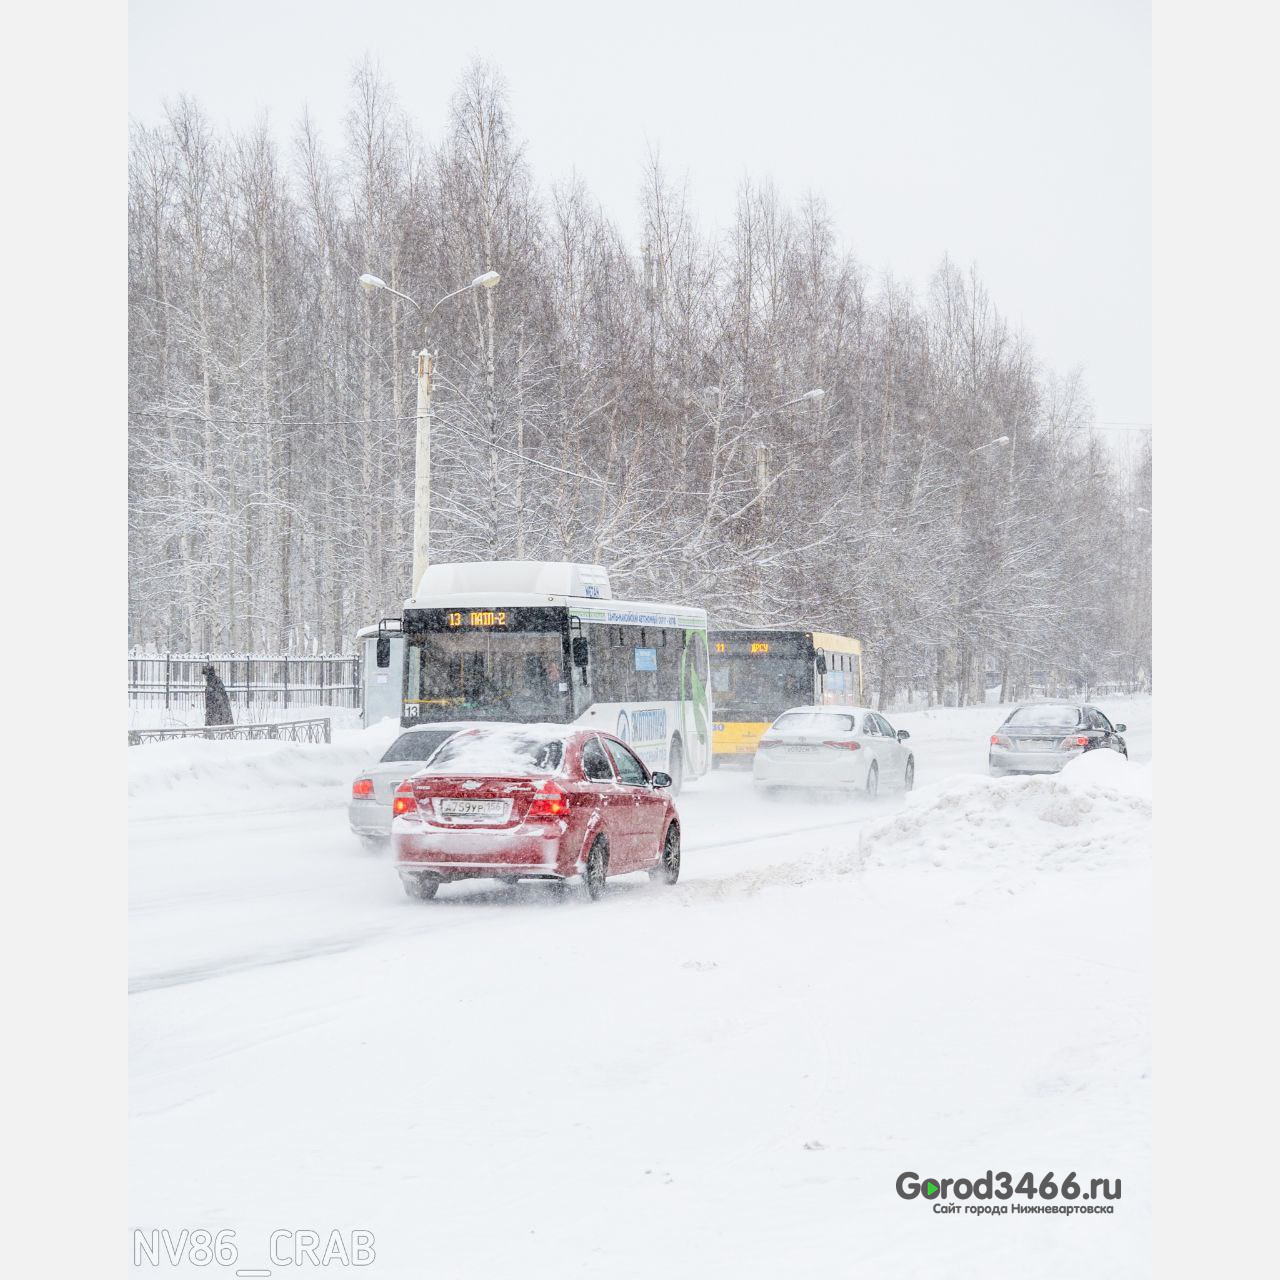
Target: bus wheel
x: 675, y: 766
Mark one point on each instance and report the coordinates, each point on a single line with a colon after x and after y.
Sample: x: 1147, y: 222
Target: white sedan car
x: 369, y: 810
x: 850, y: 748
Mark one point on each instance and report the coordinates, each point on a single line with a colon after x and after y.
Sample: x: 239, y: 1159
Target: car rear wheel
x: 375, y: 844
x: 873, y: 781
x: 421, y: 887
x: 668, y: 869
x: 909, y: 782
x: 596, y: 871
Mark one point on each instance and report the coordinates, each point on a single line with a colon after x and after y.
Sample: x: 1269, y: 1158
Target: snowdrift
x: 199, y: 775
x: 1095, y: 814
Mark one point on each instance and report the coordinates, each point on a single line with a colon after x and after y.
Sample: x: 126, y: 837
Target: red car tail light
x: 999, y: 740
x: 549, y: 801
x: 1070, y: 744
x: 403, y: 802
x: 362, y: 788
x: 844, y: 746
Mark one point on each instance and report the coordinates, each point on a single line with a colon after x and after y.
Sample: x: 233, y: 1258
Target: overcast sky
x: 1014, y: 135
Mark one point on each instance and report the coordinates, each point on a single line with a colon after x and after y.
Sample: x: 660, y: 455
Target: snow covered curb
x: 196, y: 775
x: 1095, y: 814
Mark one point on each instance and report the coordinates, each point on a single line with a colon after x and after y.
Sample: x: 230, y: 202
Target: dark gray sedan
x: 1041, y: 737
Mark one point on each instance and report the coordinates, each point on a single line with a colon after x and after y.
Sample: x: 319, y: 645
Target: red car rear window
x: 501, y: 753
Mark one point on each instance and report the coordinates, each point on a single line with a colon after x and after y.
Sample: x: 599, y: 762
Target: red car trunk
x: 483, y: 796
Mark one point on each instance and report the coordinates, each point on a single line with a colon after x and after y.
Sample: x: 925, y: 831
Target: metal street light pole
x: 762, y: 468
x: 422, y: 418
x: 956, y: 649
x: 762, y: 481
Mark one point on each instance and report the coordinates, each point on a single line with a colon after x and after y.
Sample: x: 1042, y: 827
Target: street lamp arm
x: 999, y: 440
x: 816, y: 394
x: 466, y: 288
x: 373, y: 284
x: 406, y: 297
x: 486, y: 281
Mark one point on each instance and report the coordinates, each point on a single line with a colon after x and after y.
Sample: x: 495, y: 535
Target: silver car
x: 831, y: 747
x: 369, y: 810
x: 1042, y: 737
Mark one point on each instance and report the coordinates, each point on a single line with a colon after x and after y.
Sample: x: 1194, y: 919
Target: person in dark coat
x: 217, y: 706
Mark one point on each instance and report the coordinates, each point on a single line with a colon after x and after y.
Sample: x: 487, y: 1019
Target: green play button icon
x: 931, y: 1188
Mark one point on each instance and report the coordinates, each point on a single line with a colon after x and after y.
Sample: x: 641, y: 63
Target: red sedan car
x: 534, y: 802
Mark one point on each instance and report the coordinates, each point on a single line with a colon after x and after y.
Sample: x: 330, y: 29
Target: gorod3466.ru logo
x: 1000, y: 1186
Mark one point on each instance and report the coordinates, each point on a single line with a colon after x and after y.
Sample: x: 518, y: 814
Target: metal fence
x: 256, y: 686
x: 1085, y: 692
x: 285, y: 730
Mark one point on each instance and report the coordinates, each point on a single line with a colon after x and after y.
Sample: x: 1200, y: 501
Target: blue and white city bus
x: 530, y: 641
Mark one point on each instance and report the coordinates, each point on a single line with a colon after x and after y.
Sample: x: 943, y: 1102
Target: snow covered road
x: 724, y: 1078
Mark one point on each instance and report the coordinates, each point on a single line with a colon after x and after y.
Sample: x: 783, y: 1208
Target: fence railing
x: 1089, y: 692
x: 255, y: 685
x: 284, y: 730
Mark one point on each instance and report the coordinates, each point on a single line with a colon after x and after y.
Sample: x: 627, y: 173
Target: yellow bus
x: 757, y: 675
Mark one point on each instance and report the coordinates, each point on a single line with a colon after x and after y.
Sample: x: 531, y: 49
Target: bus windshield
x: 487, y: 675
x: 759, y: 687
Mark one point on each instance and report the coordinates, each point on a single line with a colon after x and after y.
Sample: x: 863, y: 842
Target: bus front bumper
x: 736, y: 739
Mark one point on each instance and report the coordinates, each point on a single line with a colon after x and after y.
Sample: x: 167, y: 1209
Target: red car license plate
x: 485, y: 810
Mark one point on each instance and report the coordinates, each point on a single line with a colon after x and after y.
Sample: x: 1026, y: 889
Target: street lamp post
x: 762, y: 481
x: 957, y: 649
x: 762, y: 468
x: 422, y: 419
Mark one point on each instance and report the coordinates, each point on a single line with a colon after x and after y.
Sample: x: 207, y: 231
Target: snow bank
x: 200, y: 775
x: 1095, y: 814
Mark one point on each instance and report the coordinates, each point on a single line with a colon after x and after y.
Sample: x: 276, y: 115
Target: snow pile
x: 1095, y: 814
x: 203, y: 775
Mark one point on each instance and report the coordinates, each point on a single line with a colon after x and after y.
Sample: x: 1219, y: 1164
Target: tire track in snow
x: 493, y: 903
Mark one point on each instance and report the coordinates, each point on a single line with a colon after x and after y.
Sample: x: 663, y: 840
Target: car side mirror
x: 1120, y: 728
x: 903, y: 735
x: 660, y: 779
x: 580, y: 651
